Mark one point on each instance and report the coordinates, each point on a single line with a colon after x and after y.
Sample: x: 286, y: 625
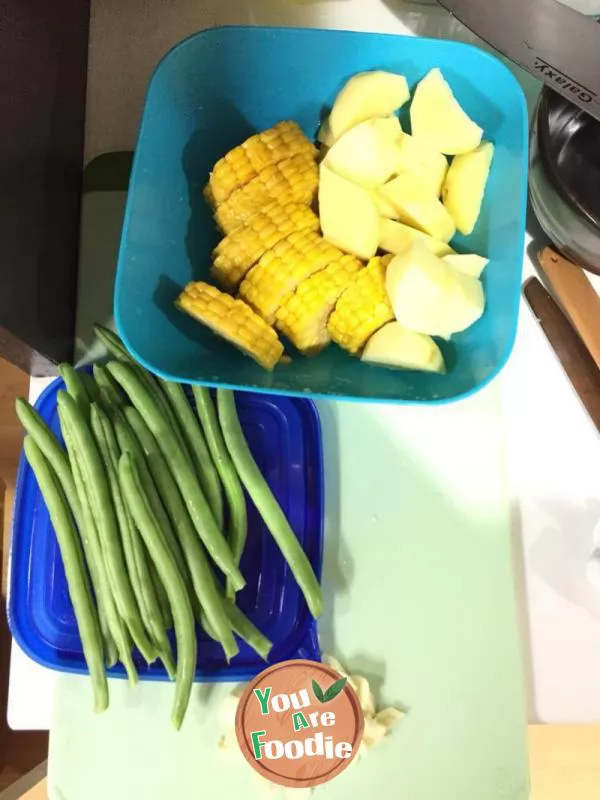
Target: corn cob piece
x: 244, y: 162
x: 303, y: 319
x: 236, y: 253
x: 274, y: 279
x: 293, y: 180
x: 208, y: 196
x: 233, y: 320
x: 363, y: 308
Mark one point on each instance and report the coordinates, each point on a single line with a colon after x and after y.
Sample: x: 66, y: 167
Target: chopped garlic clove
x: 334, y: 664
x: 374, y: 732
x: 228, y: 710
x: 229, y: 741
x: 388, y: 717
x: 365, y: 696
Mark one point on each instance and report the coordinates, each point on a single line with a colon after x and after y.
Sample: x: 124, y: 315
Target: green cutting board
x: 419, y: 598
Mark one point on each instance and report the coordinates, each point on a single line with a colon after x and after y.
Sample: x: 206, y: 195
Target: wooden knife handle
x: 576, y: 295
x: 572, y: 353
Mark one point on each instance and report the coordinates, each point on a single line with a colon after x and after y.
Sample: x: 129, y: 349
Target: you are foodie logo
x: 299, y: 723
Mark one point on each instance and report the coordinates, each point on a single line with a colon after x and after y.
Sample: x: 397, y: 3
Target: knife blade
x: 572, y: 353
x: 556, y: 44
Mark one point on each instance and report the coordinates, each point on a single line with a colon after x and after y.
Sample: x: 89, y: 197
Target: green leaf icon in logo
x: 318, y: 692
x: 331, y: 693
x: 334, y: 689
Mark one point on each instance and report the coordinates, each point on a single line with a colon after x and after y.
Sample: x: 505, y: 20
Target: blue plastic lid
x: 285, y: 438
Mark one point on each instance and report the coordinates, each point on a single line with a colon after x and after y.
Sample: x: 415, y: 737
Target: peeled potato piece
x: 324, y: 135
x: 389, y: 127
x: 395, y: 237
x: 413, y: 155
x: 417, y: 207
x: 367, y: 95
x: 467, y: 263
x: 438, y: 120
x: 429, y: 296
x: 366, y: 154
x: 384, y: 206
x: 465, y: 184
x: 348, y: 216
x: 395, y: 346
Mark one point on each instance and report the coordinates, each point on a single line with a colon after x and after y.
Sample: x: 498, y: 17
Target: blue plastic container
x: 220, y: 86
x: 285, y: 438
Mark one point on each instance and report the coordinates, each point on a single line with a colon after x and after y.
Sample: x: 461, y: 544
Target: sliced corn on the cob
x: 303, y: 319
x: 233, y: 320
x: 208, y: 196
x: 293, y: 180
x: 236, y: 253
x: 274, y: 279
x: 363, y: 308
x: 244, y: 162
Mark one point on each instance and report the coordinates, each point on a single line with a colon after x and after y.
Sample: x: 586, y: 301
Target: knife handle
x: 572, y: 353
x: 576, y: 295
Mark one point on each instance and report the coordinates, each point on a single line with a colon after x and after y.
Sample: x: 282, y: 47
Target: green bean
x: 202, y: 577
x: 113, y: 399
x: 113, y: 343
x: 201, y: 457
x: 123, y: 521
x: 52, y: 452
x: 117, y: 349
x: 150, y: 606
x: 96, y: 482
x: 238, y: 522
x: 110, y: 393
x: 244, y: 628
x: 265, y: 502
x: 75, y: 388
x: 135, y: 559
x: 128, y: 443
x: 183, y: 615
x: 115, y: 631
x: 248, y: 631
x: 92, y: 391
x: 76, y: 575
x: 169, y: 415
x: 161, y: 596
x: 59, y: 462
x: 187, y: 482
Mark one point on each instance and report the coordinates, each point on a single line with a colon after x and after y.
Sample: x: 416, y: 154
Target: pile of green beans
x: 147, y: 501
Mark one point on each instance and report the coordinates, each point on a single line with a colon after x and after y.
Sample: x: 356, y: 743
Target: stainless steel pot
x: 564, y: 178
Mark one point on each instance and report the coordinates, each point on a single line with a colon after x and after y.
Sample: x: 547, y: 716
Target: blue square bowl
x: 221, y: 85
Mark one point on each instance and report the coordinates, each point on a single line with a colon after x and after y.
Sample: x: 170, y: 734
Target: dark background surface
x: 43, y: 69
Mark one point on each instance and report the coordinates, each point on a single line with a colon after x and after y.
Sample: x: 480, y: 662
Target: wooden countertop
x: 565, y: 762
